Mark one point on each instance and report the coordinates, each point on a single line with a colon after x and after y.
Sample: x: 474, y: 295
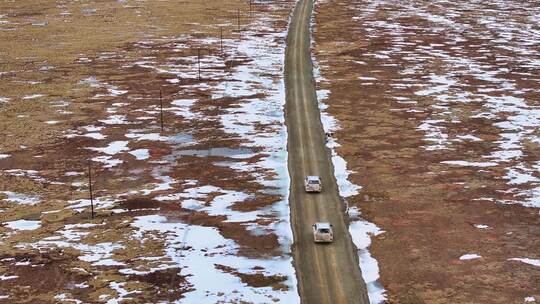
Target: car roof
x: 313, y: 177
x: 322, y: 225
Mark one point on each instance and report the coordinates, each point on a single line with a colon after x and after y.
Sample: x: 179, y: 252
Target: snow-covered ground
x: 20, y: 198
x: 486, y: 74
x: 361, y: 230
x: 199, y: 249
x: 248, y: 98
x: 266, y: 54
x: 438, y: 102
x: 23, y: 225
x: 461, y: 76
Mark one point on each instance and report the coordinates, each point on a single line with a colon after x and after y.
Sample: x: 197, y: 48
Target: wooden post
x: 90, y: 187
x: 161, y: 107
x: 221, y: 35
x: 199, y: 62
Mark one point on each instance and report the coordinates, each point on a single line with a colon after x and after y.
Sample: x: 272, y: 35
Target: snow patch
x: 468, y: 164
x: 469, y: 256
x: 140, y: 154
x: 208, y: 248
x: 20, y: 198
x: 529, y: 261
x: 33, y: 96
x: 481, y: 226
x: 113, y: 148
x: 23, y: 225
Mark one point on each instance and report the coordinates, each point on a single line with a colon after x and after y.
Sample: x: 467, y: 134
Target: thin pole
x: 161, y: 107
x: 199, y: 62
x: 90, y: 187
x: 238, y: 19
x: 221, y: 35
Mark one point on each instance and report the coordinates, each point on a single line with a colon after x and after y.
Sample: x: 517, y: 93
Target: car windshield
x: 324, y: 230
x: 313, y: 181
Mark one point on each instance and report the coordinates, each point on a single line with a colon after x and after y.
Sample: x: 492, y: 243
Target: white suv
x: 313, y: 183
x: 322, y: 232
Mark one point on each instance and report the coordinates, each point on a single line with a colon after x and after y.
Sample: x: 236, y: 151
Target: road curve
x: 327, y: 273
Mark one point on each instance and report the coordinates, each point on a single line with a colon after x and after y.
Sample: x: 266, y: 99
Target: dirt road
x: 327, y: 273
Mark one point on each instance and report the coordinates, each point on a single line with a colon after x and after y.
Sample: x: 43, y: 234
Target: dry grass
x: 44, y: 51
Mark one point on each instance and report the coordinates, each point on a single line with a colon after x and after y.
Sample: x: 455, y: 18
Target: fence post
x: 90, y: 187
x: 161, y: 107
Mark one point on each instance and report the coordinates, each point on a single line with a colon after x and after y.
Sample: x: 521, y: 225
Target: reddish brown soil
x: 256, y: 279
x: 425, y: 208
